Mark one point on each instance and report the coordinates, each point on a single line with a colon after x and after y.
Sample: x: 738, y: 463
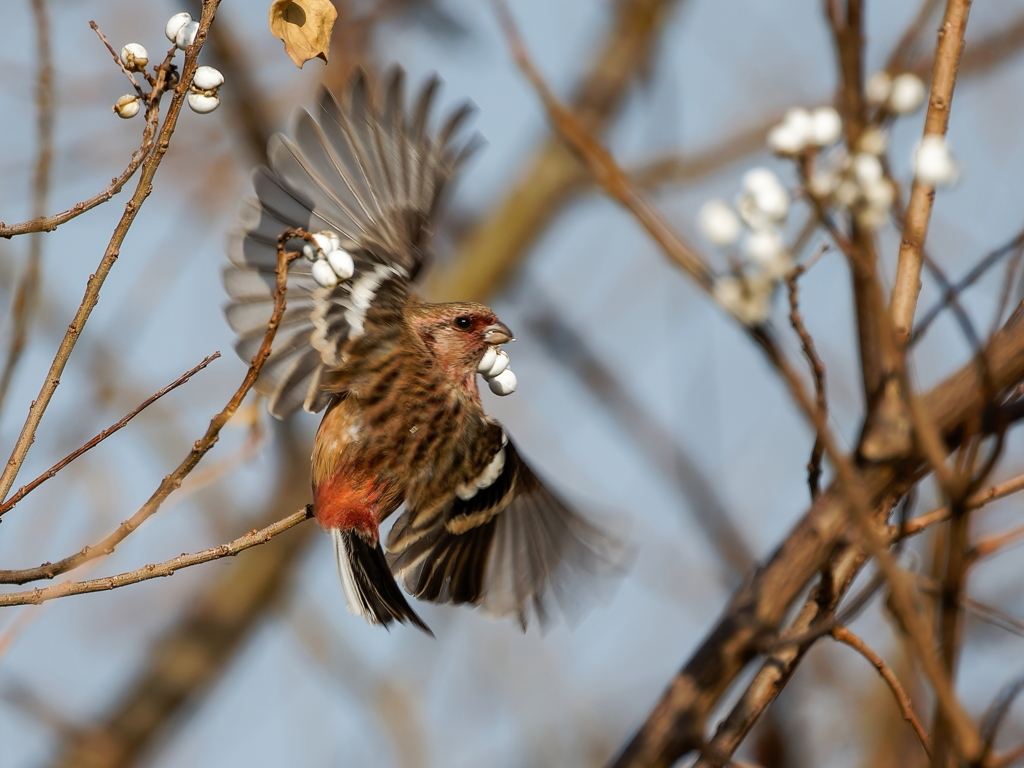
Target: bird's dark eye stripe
x: 463, y: 322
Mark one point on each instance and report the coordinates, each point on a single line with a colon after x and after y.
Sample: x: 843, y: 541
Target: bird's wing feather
x: 512, y: 547
x: 369, y: 172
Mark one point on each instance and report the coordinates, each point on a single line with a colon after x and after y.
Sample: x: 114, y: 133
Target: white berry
x: 127, y: 106
x: 907, y: 93
x: 867, y: 169
x: 309, y: 251
x: 719, y: 223
x: 767, y: 195
x: 203, y: 104
x: 208, y: 78
x: 785, y: 139
x: 134, y: 57
x: 501, y: 362
x: 326, y: 241
x: 933, y: 163
x: 324, y: 274
x: 878, y: 88
x: 341, y: 262
x: 764, y: 245
x: 504, y: 383
x: 872, y: 141
x: 175, y: 23
x: 186, y: 35
x: 826, y: 126
x: 487, y: 360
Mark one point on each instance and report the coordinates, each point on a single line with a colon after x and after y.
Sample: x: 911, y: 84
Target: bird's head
x: 459, y: 333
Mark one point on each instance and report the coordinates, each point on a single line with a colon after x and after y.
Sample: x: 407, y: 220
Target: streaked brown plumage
x: 404, y: 421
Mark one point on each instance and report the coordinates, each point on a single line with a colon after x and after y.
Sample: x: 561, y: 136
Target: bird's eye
x: 462, y: 322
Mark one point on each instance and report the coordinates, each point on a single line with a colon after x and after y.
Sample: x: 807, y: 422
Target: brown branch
x: 606, y: 172
x: 201, y: 447
x: 1008, y: 758
x: 26, y: 296
x: 29, y: 487
x: 978, y: 500
x: 228, y: 603
x: 490, y: 252
x: 992, y: 544
x: 845, y: 636
x: 817, y: 371
x: 156, y: 570
x: 903, y: 302
x: 782, y: 659
x: 113, y: 249
x: 40, y: 223
x: 117, y: 58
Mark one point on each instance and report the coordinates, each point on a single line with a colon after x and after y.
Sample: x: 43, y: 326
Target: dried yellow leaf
x: 304, y: 26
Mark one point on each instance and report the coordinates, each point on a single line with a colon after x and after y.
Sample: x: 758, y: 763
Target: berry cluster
x: 203, y: 96
x: 494, y: 368
x: 846, y: 179
x: 331, y: 263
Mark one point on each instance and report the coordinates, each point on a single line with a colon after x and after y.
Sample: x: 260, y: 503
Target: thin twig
x: 908, y: 270
x: 992, y: 544
x: 997, y: 712
x: 156, y: 570
x: 29, y: 487
x: 606, y: 171
x: 978, y: 500
x: 117, y: 58
x: 1008, y: 758
x: 972, y: 275
x: 112, y: 251
x: 817, y: 371
x: 845, y: 636
x: 201, y: 447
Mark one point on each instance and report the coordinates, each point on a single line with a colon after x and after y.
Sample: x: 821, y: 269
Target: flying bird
x: 404, y: 423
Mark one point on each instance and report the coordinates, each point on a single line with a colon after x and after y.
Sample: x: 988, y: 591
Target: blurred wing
x: 510, y: 546
x: 373, y: 175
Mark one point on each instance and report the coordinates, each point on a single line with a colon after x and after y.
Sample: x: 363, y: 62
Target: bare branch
x: 29, y: 487
x: 201, y: 447
x: 817, y: 371
x: 157, y: 570
x: 605, y: 170
x: 908, y: 271
x: 110, y: 255
x: 845, y: 636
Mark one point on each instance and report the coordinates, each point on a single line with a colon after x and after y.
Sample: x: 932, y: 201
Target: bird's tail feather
x: 370, y: 589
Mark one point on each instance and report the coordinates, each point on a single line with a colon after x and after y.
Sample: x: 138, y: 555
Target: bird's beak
x: 498, y: 333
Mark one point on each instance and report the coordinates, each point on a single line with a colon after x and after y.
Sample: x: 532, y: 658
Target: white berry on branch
x: 127, y: 106
x: 134, y: 57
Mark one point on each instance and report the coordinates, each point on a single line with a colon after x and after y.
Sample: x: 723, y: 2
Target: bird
x: 404, y: 428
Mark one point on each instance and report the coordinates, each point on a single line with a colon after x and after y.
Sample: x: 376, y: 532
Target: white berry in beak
x: 487, y: 360
x: 500, y: 364
x: 504, y: 383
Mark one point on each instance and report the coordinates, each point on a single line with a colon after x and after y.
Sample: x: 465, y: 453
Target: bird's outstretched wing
x: 370, y: 173
x: 510, y: 546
